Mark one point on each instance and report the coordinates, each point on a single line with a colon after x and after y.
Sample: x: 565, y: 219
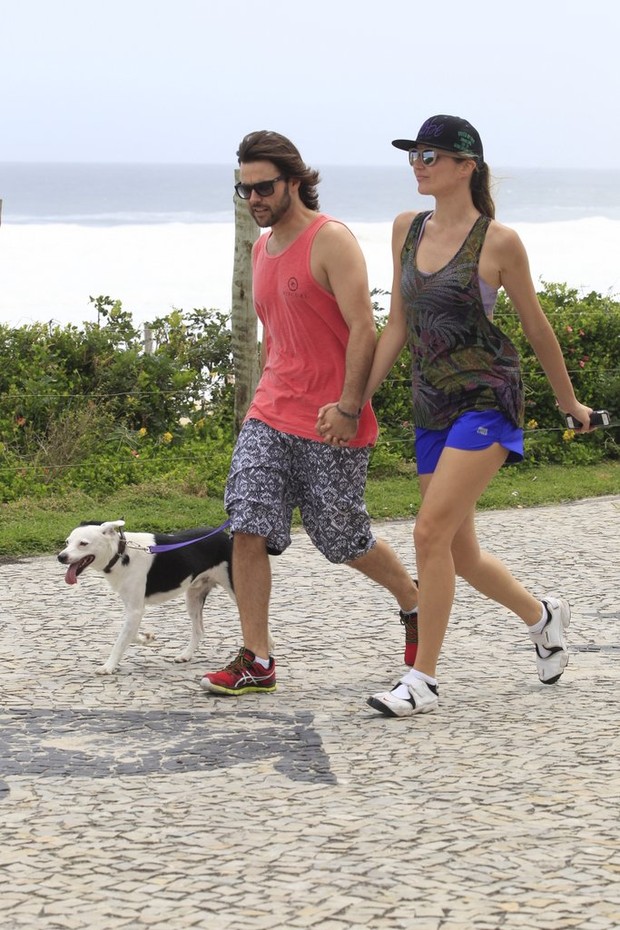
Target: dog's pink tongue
x: 71, y: 576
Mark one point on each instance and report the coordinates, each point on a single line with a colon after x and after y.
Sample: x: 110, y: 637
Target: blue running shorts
x: 472, y: 431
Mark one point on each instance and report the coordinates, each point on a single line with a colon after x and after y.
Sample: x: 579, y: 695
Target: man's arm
x: 338, y: 264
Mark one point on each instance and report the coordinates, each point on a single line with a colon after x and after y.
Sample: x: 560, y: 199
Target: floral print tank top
x: 460, y: 360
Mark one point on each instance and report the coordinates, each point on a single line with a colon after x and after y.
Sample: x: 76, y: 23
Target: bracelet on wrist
x: 349, y: 416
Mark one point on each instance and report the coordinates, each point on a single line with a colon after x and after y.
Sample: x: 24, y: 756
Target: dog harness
x: 120, y: 552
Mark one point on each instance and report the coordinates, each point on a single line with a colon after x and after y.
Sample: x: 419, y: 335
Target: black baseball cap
x: 450, y: 133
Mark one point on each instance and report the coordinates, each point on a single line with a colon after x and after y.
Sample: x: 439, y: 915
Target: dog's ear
x: 112, y: 526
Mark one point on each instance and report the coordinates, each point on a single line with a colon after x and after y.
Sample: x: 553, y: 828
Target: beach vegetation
x: 105, y: 408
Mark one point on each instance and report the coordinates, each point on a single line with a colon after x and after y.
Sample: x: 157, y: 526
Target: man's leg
x: 252, y: 583
x: 381, y: 564
x: 252, y: 670
x: 256, y: 501
x: 335, y: 516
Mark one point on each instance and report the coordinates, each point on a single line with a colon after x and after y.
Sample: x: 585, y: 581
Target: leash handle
x: 167, y: 547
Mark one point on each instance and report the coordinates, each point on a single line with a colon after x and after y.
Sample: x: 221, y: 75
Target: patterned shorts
x: 271, y: 473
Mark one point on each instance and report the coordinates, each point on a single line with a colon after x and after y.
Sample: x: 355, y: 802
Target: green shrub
x: 90, y: 410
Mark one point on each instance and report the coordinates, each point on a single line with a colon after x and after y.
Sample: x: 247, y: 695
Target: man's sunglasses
x: 262, y: 188
x: 428, y: 157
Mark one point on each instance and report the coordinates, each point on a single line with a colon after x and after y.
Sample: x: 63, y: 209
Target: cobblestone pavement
x: 137, y: 800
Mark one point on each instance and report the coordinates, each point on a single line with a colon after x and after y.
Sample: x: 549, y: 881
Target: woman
x: 467, y: 393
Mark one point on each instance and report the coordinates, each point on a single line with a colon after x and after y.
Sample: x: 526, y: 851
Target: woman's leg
x: 445, y: 542
x: 490, y: 576
x: 449, y: 499
x: 547, y: 621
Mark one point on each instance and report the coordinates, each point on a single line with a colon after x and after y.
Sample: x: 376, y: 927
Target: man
x: 311, y: 294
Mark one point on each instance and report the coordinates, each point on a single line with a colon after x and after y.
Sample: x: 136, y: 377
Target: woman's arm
x: 516, y: 279
x: 394, y: 335
x: 389, y: 345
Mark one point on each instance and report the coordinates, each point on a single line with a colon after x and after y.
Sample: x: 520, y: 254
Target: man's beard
x: 269, y: 216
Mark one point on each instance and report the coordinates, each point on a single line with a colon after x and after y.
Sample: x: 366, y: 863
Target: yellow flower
x: 142, y: 431
x: 568, y: 435
x: 167, y: 437
x: 532, y: 424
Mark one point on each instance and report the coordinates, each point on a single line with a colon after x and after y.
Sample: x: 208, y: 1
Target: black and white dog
x: 142, y: 577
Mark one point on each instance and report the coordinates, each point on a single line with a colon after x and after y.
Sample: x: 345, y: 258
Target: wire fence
x: 404, y: 440
x: 141, y: 392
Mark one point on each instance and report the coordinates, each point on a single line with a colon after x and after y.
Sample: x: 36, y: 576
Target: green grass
x: 514, y: 486
x: 31, y: 527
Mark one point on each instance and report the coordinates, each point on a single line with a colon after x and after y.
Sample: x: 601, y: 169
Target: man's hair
x: 264, y: 145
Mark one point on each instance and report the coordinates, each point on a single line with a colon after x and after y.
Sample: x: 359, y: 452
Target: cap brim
x: 404, y: 144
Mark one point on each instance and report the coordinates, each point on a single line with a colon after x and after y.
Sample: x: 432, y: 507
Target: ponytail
x: 481, y: 190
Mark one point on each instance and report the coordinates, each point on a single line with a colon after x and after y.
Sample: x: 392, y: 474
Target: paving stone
x: 138, y: 800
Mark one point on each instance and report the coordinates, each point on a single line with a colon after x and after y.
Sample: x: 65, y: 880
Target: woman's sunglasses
x: 262, y: 188
x: 428, y: 157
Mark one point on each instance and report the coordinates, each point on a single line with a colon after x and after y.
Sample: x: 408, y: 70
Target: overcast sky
x: 184, y: 80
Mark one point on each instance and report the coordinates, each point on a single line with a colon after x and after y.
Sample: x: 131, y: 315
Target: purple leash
x: 188, y: 542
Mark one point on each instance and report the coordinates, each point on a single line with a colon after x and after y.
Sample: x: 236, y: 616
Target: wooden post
x: 148, y: 339
x: 243, y: 318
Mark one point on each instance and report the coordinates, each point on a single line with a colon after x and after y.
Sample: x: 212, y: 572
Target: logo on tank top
x: 292, y: 289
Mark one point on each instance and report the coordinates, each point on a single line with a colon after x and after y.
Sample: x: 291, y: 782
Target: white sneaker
x: 551, y: 645
x: 423, y: 699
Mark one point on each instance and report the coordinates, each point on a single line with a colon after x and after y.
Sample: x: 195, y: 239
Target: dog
x: 141, y: 577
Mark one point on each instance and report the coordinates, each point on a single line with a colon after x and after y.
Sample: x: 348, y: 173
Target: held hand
x: 335, y: 428
x: 323, y: 410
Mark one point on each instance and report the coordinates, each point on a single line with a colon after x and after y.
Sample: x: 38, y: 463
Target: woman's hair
x: 480, y: 185
x: 265, y: 145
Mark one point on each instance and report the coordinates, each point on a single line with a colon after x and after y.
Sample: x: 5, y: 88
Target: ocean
x: 159, y: 237
x: 119, y: 195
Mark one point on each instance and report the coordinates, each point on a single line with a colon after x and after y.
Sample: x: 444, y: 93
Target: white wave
x: 48, y: 272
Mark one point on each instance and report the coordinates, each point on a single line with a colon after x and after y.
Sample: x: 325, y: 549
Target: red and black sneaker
x: 410, y: 623
x: 241, y: 676
x: 409, y: 620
